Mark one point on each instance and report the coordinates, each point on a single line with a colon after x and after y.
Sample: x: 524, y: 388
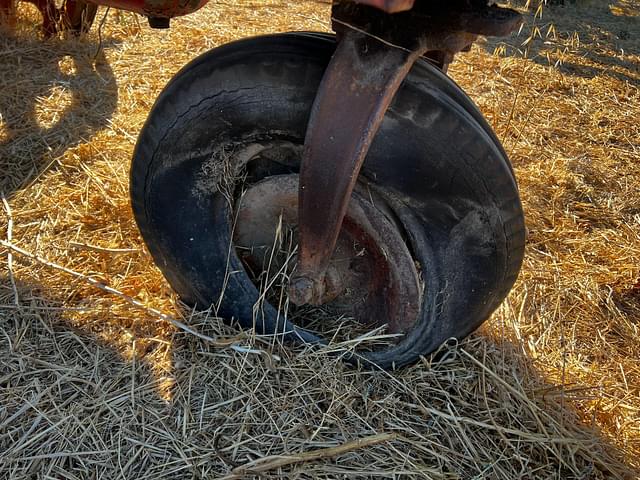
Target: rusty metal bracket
x: 443, y: 26
x: 356, y: 90
x: 375, y: 52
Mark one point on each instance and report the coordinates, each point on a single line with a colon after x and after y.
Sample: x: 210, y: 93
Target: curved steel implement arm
x: 356, y: 90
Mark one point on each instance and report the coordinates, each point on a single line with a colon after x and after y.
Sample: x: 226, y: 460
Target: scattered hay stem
x: 99, y: 249
x: 549, y: 389
x: 7, y: 208
x: 130, y: 300
x: 273, y: 462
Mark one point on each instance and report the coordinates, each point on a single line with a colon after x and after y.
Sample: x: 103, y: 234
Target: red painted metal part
x: 356, y: 90
x: 389, y: 6
x: 174, y: 8
x: 156, y: 8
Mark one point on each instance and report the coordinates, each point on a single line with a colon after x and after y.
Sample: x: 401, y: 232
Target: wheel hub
x: 371, y: 275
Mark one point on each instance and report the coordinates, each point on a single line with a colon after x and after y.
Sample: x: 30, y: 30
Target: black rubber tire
x: 435, y: 160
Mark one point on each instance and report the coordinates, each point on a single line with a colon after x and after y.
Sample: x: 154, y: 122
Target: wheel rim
x: 372, y: 277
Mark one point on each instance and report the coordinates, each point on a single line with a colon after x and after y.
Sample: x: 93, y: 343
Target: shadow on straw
x: 54, y: 96
x: 72, y: 400
x: 583, y: 41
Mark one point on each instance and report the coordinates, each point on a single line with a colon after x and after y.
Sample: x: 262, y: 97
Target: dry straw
x: 93, y: 385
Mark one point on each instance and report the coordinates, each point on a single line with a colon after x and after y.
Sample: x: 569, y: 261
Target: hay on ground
x: 93, y: 386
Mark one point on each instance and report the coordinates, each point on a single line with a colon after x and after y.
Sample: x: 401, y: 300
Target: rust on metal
x: 356, y: 90
x: 447, y: 26
x: 374, y: 54
x: 370, y: 275
x: 53, y: 17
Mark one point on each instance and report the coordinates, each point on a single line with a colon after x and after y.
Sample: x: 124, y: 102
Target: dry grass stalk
x: 132, y: 301
x: 91, y: 385
x: 274, y: 462
x: 7, y: 209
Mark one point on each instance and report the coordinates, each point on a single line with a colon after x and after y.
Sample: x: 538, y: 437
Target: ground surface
x: 92, y: 386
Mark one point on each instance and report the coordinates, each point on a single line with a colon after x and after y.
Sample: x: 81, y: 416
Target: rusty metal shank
x: 357, y: 88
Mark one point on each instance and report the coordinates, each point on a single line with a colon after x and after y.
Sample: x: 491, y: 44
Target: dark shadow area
x: 54, y: 95
x: 607, y: 39
x: 72, y: 404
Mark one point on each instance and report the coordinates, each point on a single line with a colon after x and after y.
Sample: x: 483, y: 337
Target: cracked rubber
x: 435, y: 160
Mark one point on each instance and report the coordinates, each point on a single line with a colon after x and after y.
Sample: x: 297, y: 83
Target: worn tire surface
x: 435, y: 160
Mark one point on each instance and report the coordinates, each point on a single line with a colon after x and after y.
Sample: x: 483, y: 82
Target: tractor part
x: 375, y: 53
x: 78, y: 16
x: 75, y: 16
x: 436, y: 185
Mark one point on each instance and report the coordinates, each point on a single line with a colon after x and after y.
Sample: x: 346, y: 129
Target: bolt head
x: 301, y: 290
